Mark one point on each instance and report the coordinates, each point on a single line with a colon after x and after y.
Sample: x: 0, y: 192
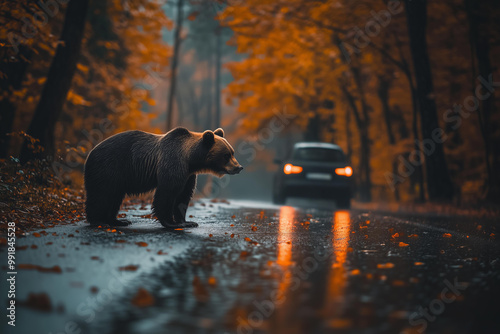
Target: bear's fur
x: 135, y: 162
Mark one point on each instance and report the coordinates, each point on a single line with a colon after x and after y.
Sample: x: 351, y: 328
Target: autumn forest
x: 408, y: 89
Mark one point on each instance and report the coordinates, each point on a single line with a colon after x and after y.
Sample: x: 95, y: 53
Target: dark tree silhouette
x: 13, y: 75
x: 479, y: 35
x: 58, y: 82
x: 174, y: 64
x: 439, y: 185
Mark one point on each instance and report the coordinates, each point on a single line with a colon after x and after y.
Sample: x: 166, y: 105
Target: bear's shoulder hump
x: 179, y: 131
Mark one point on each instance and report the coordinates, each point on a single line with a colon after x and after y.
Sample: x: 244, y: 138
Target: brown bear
x: 135, y: 162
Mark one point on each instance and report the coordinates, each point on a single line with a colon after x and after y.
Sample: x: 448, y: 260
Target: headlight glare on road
x: 291, y: 169
x: 346, y: 171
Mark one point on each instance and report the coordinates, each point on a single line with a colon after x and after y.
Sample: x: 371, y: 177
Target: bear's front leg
x: 182, y: 203
x: 163, y: 206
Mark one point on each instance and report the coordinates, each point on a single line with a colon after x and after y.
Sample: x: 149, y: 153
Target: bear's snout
x: 235, y: 170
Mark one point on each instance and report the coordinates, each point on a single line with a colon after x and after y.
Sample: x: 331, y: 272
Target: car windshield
x: 318, y: 154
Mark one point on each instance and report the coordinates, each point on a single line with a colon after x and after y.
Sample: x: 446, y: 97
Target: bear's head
x: 220, y: 158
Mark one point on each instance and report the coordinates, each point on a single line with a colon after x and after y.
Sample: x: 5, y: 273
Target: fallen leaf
x: 212, y: 281
x: 141, y: 244
x: 398, y: 283
x: 339, y: 323
x: 402, y: 244
x: 36, y: 234
x: 419, y: 263
x: 446, y: 235
x: 54, y: 269
x: 130, y: 267
x: 387, y: 265
x: 143, y: 298
x: 199, y: 290
x: 38, y: 301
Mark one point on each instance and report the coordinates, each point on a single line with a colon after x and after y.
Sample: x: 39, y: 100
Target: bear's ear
x: 208, y: 137
x: 219, y: 132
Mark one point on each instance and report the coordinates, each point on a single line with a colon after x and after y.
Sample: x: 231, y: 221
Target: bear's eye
x: 227, y: 156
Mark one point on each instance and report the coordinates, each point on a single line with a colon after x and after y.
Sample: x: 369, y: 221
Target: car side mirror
x: 278, y: 161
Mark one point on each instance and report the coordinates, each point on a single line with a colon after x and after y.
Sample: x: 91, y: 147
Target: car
x: 314, y: 170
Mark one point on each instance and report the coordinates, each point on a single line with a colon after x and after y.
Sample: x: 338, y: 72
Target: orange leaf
x: 54, y: 269
x: 143, y: 298
x: 130, y: 267
x: 212, y: 281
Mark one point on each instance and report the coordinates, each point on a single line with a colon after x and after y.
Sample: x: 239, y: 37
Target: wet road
x: 256, y: 268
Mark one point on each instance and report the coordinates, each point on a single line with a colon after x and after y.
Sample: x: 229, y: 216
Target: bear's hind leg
x: 163, y: 203
x: 182, y: 203
x: 96, y: 208
x: 102, y: 207
x: 113, y: 208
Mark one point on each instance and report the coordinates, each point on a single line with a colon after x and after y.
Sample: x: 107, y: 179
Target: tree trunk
x: 439, y: 185
x: 362, y: 121
x: 173, y: 65
x: 348, y: 135
x: 365, y: 163
x: 419, y: 173
x: 364, y: 152
x: 313, y: 130
x: 383, y: 95
x: 218, y: 56
x: 58, y: 82
x: 480, y: 48
x: 384, y: 85
x: 13, y: 77
x: 180, y: 107
x: 195, y: 112
x: 208, y: 91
